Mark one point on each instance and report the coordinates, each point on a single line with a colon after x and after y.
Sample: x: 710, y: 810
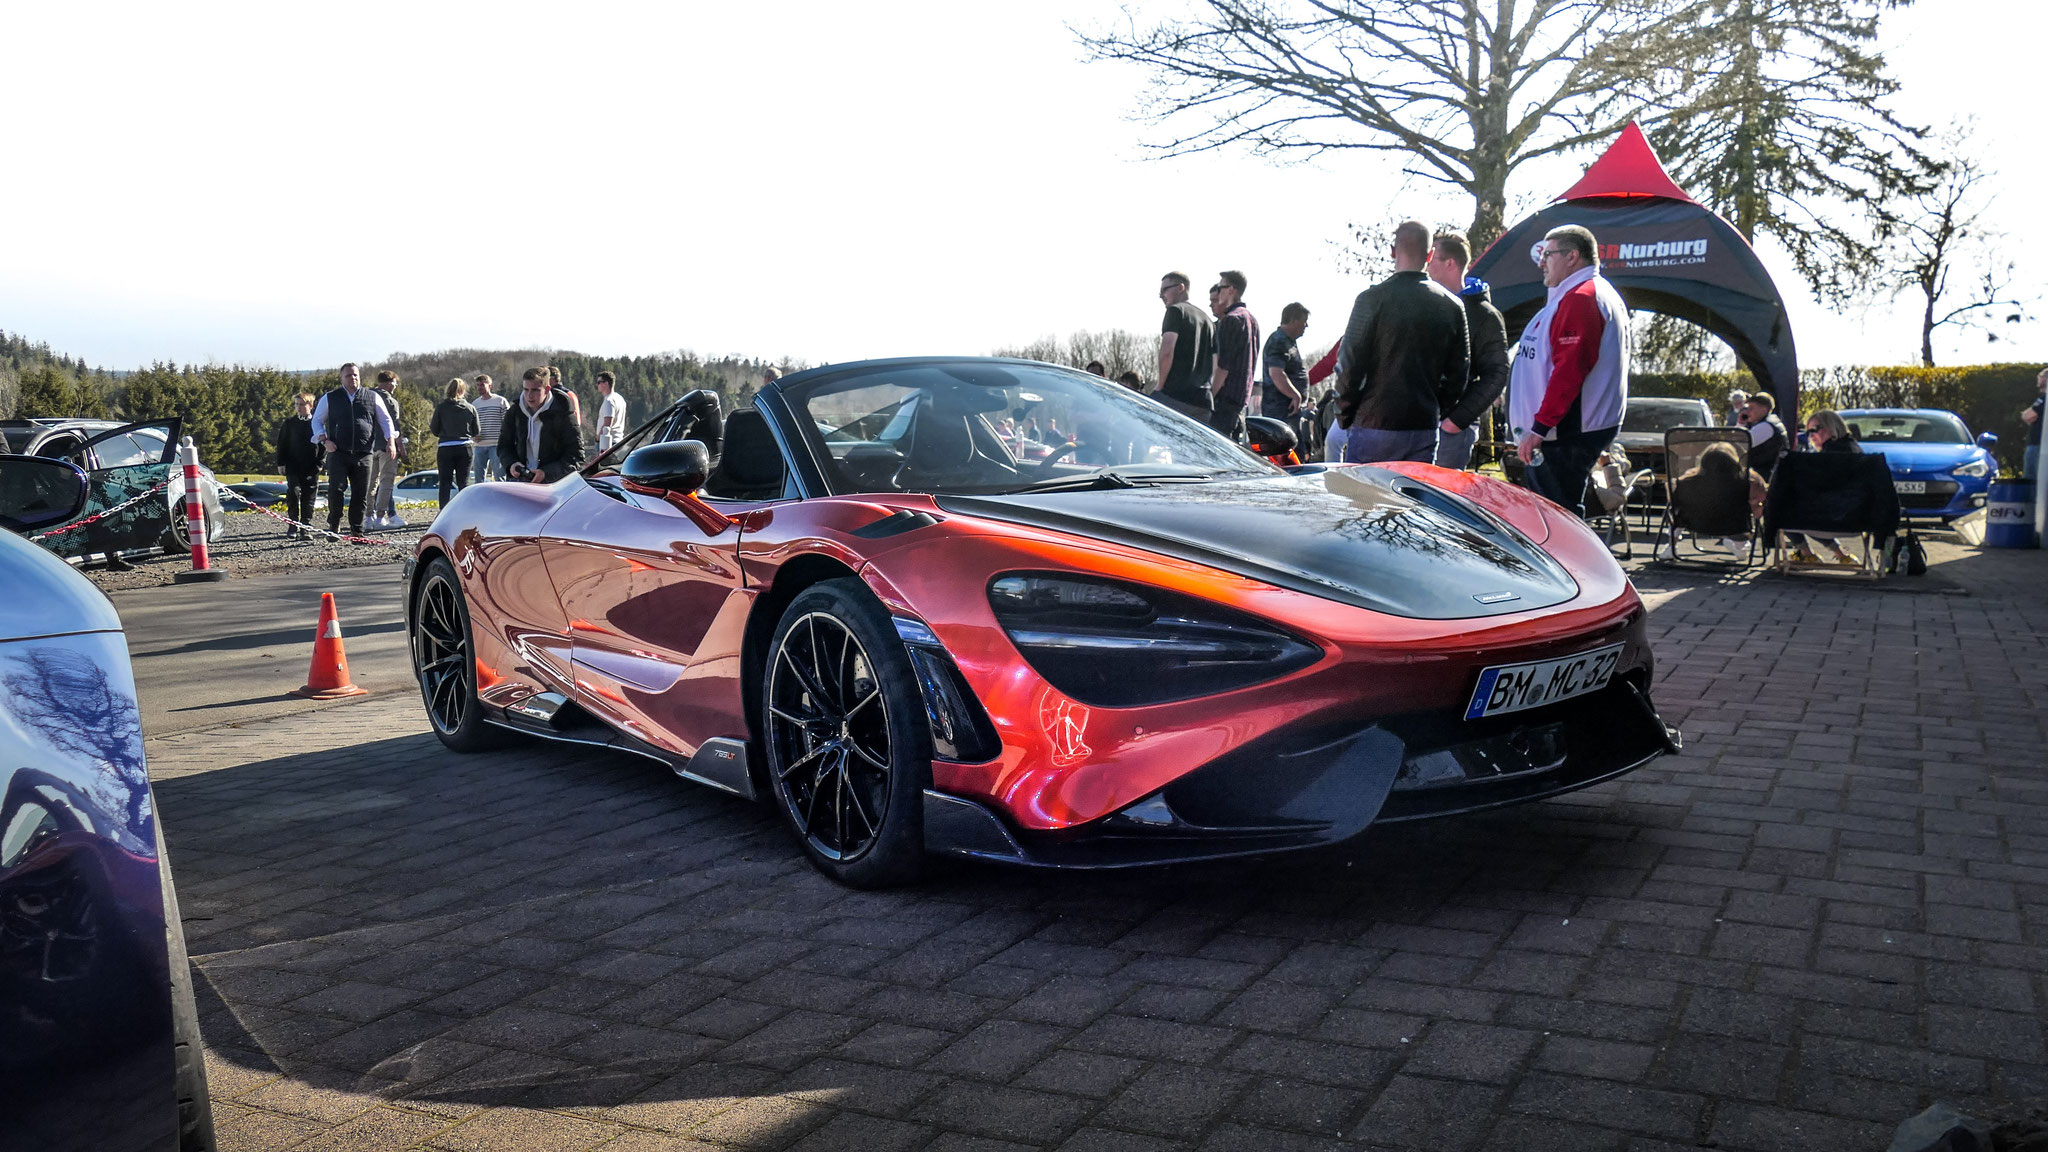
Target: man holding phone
x: 539, y: 443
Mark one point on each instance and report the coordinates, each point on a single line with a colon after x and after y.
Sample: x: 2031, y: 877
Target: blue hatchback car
x: 99, y: 1037
x: 1939, y: 470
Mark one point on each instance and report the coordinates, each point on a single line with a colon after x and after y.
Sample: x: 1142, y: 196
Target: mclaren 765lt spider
x: 865, y: 605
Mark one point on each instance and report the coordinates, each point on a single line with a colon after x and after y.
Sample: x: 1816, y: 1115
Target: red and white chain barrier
x: 343, y: 536
x: 123, y: 506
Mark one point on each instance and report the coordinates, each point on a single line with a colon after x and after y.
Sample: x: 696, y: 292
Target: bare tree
x: 1771, y: 110
x: 1467, y: 91
x: 1945, y: 250
x: 1118, y: 349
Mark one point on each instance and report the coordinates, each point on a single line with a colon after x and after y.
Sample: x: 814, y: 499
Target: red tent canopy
x: 1628, y: 168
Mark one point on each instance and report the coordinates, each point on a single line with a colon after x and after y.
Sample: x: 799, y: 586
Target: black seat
x: 751, y: 467
x: 941, y: 449
x: 1833, y: 494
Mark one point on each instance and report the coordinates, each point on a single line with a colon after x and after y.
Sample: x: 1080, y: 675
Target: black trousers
x: 299, y: 488
x: 348, y: 475
x: 453, y: 461
x: 1567, y: 464
x: 1227, y: 417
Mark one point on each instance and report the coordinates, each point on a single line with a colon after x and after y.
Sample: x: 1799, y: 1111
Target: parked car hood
x: 1363, y: 536
x: 1903, y: 457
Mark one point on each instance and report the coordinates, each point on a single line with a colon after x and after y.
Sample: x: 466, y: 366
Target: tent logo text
x: 1662, y: 253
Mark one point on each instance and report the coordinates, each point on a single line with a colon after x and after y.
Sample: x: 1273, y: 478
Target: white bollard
x: 195, y: 519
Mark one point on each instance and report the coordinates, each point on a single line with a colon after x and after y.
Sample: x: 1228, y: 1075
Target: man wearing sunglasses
x: 1569, y: 383
x: 1187, y: 351
x: 1237, y: 350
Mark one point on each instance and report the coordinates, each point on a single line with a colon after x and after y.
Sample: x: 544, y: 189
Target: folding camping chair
x: 1707, y: 494
x: 1833, y: 496
x: 1608, y: 493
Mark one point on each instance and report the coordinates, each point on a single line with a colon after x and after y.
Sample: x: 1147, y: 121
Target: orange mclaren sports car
x: 862, y: 602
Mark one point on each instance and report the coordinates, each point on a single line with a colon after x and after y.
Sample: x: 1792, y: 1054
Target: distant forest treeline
x: 232, y: 412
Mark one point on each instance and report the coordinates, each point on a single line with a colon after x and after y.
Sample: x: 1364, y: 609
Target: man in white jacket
x: 1570, y: 379
x: 611, y: 414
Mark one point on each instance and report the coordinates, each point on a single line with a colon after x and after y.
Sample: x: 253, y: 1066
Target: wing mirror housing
x: 1269, y: 437
x: 677, y: 468
x: 1986, y: 439
x: 37, y: 491
x: 674, y: 471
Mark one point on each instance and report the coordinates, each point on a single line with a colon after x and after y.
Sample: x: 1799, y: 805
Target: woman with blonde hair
x: 1826, y: 431
x: 455, y: 427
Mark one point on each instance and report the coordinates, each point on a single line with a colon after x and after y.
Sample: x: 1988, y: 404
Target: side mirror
x: 1986, y: 439
x: 36, y: 492
x: 1269, y: 437
x: 677, y: 468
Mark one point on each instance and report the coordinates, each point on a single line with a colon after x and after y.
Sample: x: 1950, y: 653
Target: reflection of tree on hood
x: 1387, y: 519
x: 67, y: 699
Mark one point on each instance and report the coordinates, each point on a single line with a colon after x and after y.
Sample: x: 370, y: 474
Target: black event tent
x: 1664, y: 252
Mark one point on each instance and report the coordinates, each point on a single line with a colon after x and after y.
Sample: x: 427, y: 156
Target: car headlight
x: 1110, y: 644
x: 1973, y: 469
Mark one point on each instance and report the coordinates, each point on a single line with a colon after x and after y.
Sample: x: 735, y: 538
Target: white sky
x: 283, y: 184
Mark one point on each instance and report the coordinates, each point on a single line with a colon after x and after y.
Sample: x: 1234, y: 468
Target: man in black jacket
x: 1404, y: 359
x: 1487, y: 337
x: 298, y: 457
x: 539, y: 441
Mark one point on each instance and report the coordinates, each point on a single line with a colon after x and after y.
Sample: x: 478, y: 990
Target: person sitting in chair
x: 1698, y: 495
x: 1826, y: 431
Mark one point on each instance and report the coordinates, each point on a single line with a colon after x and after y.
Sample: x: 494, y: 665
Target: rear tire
x: 444, y: 661
x: 844, y: 737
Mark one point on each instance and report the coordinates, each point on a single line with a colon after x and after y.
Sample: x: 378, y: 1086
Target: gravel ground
x: 255, y: 545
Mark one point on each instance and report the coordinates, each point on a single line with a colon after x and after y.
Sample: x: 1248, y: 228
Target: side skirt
x: 718, y: 763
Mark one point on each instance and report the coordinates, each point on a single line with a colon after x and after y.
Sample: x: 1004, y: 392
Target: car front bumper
x: 1310, y: 789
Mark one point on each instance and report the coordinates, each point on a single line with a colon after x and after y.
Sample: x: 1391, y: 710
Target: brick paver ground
x: 1831, y: 911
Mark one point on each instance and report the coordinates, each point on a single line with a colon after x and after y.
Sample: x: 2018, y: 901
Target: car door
x: 656, y: 608
x: 121, y: 464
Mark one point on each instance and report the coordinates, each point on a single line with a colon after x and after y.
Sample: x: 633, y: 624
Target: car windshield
x: 995, y: 426
x: 1643, y: 415
x: 1907, y: 428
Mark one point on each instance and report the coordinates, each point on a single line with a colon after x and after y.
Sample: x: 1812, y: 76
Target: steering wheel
x: 1053, y: 457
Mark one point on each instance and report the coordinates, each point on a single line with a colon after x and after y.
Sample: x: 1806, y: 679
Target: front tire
x: 444, y: 660
x: 188, y: 1049
x: 845, y: 738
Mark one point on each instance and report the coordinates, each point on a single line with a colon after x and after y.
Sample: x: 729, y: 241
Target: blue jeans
x: 486, y: 466
x: 2033, y: 462
x: 1567, y: 465
x: 1454, y: 449
x: 1376, y: 445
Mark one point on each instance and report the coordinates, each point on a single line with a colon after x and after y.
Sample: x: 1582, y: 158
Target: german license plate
x: 1910, y: 487
x: 1507, y: 688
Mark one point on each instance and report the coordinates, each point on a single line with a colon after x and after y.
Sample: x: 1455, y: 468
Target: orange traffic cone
x: 328, y: 678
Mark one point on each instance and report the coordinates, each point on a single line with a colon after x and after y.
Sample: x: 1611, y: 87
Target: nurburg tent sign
x: 1664, y: 252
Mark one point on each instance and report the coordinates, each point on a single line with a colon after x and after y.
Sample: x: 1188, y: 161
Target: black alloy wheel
x: 443, y: 658
x: 847, y: 743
